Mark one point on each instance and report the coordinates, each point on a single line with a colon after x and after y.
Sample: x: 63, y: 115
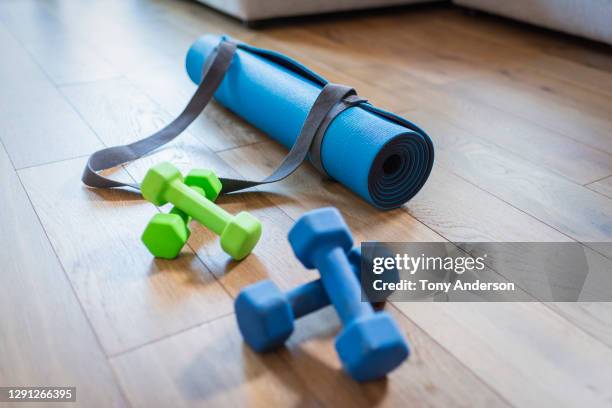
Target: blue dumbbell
x: 266, y: 315
x: 370, y: 344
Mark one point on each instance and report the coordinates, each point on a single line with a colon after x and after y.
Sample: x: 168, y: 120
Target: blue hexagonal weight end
x: 264, y: 316
x: 319, y: 228
x: 372, y: 347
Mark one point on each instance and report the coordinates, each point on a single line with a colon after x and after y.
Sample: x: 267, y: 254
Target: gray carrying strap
x: 332, y: 100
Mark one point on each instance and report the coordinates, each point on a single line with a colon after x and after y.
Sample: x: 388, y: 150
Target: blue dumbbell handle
x: 341, y: 285
x: 310, y: 297
x: 307, y: 298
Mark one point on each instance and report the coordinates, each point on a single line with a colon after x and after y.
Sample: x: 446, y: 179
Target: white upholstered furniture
x: 588, y: 18
x: 253, y: 10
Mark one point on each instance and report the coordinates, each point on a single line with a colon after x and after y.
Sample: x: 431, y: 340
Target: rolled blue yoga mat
x: 383, y: 158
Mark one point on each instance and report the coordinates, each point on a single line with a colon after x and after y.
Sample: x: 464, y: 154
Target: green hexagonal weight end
x: 165, y: 235
x: 207, y: 180
x: 156, y: 182
x: 241, y: 235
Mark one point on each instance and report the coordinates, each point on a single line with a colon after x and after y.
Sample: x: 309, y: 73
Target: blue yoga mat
x: 381, y: 157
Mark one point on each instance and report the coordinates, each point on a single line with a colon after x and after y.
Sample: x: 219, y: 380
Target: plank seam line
x: 83, y: 82
x: 128, y: 350
x: 599, y: 192
x: 595, y: 181
x: 42, y: 164
x: 227, y: 149
x: 86, y: 81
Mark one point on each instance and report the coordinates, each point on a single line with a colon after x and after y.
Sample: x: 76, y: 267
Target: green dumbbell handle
x: 198, y: 207
x: 185, y: 217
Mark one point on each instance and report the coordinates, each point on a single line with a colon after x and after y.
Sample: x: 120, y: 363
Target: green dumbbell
x: 164, y: 183
x: 166, y: 234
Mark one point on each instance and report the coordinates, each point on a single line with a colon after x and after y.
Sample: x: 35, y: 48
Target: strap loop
x: 315, y: 150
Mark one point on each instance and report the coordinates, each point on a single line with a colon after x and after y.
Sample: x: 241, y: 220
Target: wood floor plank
x: 476, y: 215
x: 194, y: 19
x: 594, y: 318
x: 311, y: 353
x: 542, y: 147
x: 602, y: 186
x: 45, y: 339
x: 68, y: 62
x: 418, y: 62
x: 156, y: 58
x: 209, y: 366
x: 548, y: 149
x: 588, y: 124
x: 64, y: 56
x: 574, y: 72
x: 452, y: 57
x: 559, y: 91
x: 542, y: 362
x: 571, y: 209
x: 592, y: 55
x: 516, y: 34
x: 305, y: 373
x: 38, y: 124
x: 138, y: 38
x: 130, y: 297
x: 506, y: 34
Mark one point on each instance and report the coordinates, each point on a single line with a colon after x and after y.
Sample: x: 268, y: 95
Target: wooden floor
x: 522, y: 123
